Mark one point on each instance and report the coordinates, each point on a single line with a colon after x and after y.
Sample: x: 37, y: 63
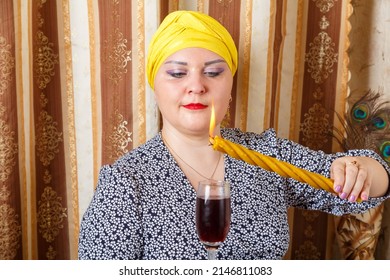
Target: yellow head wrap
x: 189, y: 29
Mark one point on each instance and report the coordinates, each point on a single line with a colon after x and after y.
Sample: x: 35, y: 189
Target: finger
x: 364, y: 194
x: 351, y: 173
x: 360, y: 182
x: 337, y: 173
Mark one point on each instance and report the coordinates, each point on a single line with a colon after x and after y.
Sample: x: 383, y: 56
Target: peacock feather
x: 367, y: 125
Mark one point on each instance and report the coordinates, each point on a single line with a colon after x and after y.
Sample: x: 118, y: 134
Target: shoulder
x: 137, y: 161
x: 141, y: 154
x: 237, y: 135
x: 265, y: 142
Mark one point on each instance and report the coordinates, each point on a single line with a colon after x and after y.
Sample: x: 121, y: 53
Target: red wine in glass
x: 213, y: 219
x: 213, y: 214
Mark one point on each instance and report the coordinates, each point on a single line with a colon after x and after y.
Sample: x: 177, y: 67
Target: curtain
x: 73, y: 96
x: 369, y: 67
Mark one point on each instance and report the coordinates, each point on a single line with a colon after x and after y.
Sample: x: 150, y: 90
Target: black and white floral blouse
x: 144, y: 206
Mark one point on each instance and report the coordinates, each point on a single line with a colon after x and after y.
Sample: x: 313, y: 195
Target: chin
x: 195, y: 130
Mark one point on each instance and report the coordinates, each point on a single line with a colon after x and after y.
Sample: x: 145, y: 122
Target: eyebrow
x: 214, y: 61
x: 176, y: 62
x: 185, y: 63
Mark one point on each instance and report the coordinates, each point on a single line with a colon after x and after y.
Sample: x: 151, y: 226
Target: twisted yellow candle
x: 284, y: 169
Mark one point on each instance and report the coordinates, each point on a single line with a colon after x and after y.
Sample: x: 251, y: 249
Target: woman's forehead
x: 194, y: 54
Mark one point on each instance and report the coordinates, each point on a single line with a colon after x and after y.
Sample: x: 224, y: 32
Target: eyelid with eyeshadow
x: 210, y: 71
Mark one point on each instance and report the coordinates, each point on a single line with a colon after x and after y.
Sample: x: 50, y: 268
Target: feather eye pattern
x: 360, y: 112
x: 367, y: 125
x: 384, y: 151
x: 370, y: 112
x: 380, y: 121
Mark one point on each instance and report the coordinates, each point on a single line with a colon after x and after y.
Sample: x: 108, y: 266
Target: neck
x: 194, y: 155
x: 193, y: 139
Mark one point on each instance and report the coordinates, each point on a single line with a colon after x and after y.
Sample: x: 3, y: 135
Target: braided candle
x: 284, y: 169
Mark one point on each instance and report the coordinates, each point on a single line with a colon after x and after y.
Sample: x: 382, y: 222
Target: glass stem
x: 212, y: 253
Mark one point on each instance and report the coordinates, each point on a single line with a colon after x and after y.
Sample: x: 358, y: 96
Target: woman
x: 144, y: 205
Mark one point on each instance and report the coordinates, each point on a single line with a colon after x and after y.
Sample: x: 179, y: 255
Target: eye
x: 176, y: 73
x: 213, y: 72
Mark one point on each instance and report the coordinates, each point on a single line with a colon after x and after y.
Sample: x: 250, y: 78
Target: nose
x: 196, y: 84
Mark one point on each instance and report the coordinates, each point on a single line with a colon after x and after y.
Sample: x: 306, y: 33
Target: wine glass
x: 212, y: 214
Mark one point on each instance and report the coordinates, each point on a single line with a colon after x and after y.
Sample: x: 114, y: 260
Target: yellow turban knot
x: 188, y: 29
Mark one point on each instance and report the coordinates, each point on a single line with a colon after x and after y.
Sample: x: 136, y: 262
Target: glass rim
x: 208, y: 188
x: 211, y: 181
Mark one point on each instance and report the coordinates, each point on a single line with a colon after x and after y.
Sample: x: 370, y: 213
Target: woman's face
x: 186, y: 85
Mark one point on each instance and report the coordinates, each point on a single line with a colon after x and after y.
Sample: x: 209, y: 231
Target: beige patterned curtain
x: 73, y: 96
x: 369, y: 66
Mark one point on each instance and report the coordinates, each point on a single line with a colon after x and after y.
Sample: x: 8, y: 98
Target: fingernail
x: 337, y: 188
x: 343, y: 195
x: 364, y: 196
x: 352, y: 198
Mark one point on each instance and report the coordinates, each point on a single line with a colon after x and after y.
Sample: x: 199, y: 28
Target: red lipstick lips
x: 195, y: 106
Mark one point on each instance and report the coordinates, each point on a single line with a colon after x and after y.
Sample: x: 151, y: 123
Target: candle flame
x: 212, y: 120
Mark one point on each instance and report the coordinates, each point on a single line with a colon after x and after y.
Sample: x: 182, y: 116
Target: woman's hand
x: 358, y: 177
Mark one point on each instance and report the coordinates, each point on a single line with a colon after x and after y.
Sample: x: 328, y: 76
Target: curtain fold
x: 10, y: 185
x: 320, y: 77
x: 48, y: 131
x: 116, y: 78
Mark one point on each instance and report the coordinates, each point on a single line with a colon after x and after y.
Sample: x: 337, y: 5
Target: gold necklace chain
x: 215, y: 169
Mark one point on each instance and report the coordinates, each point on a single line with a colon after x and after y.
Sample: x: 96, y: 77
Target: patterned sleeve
x: 304, y: 196
x: 110, y: 228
